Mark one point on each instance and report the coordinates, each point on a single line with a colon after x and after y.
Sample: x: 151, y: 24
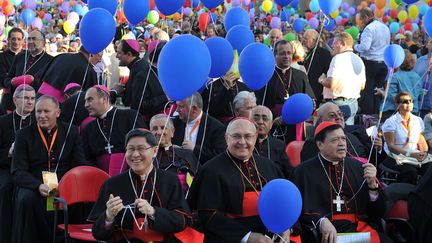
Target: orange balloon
x: 380, y: 4
x: 176, y: 16
x: 120, y: 16
x: 379, y: 13
x: 7, y: 7
x: 59, y: 2
x: 364, y: 4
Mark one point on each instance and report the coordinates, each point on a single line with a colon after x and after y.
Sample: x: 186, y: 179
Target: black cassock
x: 318, y: 194
x: 68, y: 107
x: 274, y: 150
x: 70, y: 68
x: 34, y: 65
x: 6, y: 60
x: 30, y: 158
x: 95, y: 143
x: 9, y: 124
x: 172, y: 212
x: 218, y: 190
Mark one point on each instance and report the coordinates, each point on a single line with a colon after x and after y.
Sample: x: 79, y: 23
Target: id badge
x: 50, y: 179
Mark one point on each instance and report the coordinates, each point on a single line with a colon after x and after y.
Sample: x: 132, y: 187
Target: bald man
x: 275, y: 35
x: 316, y: 62
x: 234, y: 178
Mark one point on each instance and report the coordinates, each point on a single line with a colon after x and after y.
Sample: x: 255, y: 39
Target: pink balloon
x: 235, y: 3
x: 187, y: 11
x: 275, y: 23
x: 37, y: 23
x: 73, y: 16
x: 313, y: 23
x: 31, y: 4
x: 245, y: 2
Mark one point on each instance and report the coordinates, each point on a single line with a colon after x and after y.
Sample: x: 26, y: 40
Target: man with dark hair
x: 103, y: 138
x: 28, y: 67
x: 374, y: 39
x: 15, y: 45
x: 43, y: 153
x: 65, y: 69
x: 143, y: 91
x: 338, y: 191
x: 197, y: 131
x: 24, y: 99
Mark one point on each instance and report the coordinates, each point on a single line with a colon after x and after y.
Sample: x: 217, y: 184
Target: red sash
x: 145, y: 236
x: 361, y: 226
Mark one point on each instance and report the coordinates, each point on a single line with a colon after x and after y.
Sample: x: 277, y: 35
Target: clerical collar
x: 283, y: 70
x: 196, y: 119
x: 142, y: 177
x: 133, y: 62
x: 37, y: 54
x: 260, y: 140
x: 330, y: 161
x: 235, y: 159
x: 49, y: 131
x: 106, y: 113
x: 16, y: 53
x: 23, y: 117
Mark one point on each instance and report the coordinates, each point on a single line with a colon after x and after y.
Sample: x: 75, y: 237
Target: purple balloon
x: 48, y: 17
x: 345, y: 6
x: 275, y: 23
x: 37, y: 23
x: 235, y: 3
x: 313, y: 23
x: 373, y: 6
x: 245, y: 2
x: 65, y: 6
x: 31, y: 4
x: 252, y: 15
x: 187, y: 11
x: 352, y: 11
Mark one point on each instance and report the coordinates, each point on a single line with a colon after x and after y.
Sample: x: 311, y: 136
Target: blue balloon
x: 394, y: 27
x: 394, y: 56
x: 314, y: 6
x: 428, y: 23
x: 410, y: 1
x: 298, y: 108
x: 298, y: 25
x: 236, y: 16
x: 195, y: 3
x: 222, y: 56
x: 211, y: 3
x: 329, y: 6
x: 184, y: 66
x: 136, y: 11
x: 255, y: 74
x: 283, y: 3
x: 330, y: 25
x: 294, y: 4
x: 285, y: 14
x: 240, y: 36
x: 28, y: 16
x: 97, y: 30
x: 168, y: 7
x: 110, y: 5
x: 79, y: 9
x: 213, y: 18
x: 279, y: 205
x: 423, y: 8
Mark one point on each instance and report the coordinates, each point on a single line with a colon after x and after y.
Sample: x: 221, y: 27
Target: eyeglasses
x: 334, y: 115
x: 140, y: 150
x: 238, y: 137
x: 258, y: 117
x: 33, y: 38
x: 406, y: 102
x: 26, y: 98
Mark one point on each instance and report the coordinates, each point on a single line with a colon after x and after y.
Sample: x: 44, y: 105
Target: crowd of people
x: 198, y: 165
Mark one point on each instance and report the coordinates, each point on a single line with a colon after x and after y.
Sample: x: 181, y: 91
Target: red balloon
x: 309, y: 16
x: 7, y: 7
x: 24, y: 6
x: 408, y: 26
x: 279, y: 8
x: 430, y: 4
x: 408, y: 21
x: 152, y: 4
x: 343, y: 21
x: 203, y: 21
x: 269, y: 18
x: 187, y: 4
x: 385, y: 19
x: 393, y: 13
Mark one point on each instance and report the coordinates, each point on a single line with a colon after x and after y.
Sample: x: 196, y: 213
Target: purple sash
x: 85, y: 122
x: 48, y: 89
x: 111, y: 163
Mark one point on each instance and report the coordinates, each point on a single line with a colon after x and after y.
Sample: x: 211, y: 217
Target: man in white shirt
x: 345, y: 78
x: 373, y: 40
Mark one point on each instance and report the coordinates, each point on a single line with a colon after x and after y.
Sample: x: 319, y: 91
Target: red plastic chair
x: 79, y: 185
x: 293, y: 150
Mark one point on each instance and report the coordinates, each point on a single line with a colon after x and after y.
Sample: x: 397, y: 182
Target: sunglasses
x: 406, y: 102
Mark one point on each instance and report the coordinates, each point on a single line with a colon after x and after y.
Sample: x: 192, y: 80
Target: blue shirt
x: 373, y: 40
x: 421, y: 69
x: 408, y: 81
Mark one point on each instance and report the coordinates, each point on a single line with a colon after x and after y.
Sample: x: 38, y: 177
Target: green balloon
x: 267, y: 41
x: 289, y: 37
x: 153, y: 17
x: 399, y: 2
x: 355, y: 32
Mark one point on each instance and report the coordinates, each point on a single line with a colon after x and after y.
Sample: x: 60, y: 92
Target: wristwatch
x: 375, y: 188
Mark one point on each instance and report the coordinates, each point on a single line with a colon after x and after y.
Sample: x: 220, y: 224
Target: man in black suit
x: 197, y: 131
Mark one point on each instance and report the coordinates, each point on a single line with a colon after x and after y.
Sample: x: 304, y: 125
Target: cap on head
x: 103, y: 88
x: 134, y: 44
x: 323, y: 126
x: 71, y: 86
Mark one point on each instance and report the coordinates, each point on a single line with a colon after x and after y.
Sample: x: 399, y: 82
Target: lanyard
x: 194, y: 127
x: 408, y: 128
x: 46, y: 144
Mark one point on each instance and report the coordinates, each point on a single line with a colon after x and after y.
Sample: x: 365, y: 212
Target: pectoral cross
x: 338, y: 203
x: 108, y: 148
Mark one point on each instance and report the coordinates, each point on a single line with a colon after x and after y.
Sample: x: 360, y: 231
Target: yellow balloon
x: 413, y: 11
x: 267, y: 5
x: 402, y: 16
x: 393, y: 4
x: 69, y: 26
x: 335, y: 14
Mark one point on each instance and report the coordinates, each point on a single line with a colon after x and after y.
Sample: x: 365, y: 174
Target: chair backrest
x: 81, y: 184
x: 399, y: 210
x: 293, y: 150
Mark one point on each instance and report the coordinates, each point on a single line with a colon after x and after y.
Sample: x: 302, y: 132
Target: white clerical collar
x: 23, y: 117
x: 196, y: 119
x: 260, y: 140
x: 106, y: 113
x: 167, y: 147
x: 283, y: 69
x: 37, y: 54
x: 331, y: 161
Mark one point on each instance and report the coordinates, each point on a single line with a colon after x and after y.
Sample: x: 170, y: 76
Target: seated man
x: 198, y: 131
x: 338, y: 192
x: 181, y: 162
x: 135, y: 205
x: 45, y: 148
x: 358, y: 143
x: 267, y: 146
x: 226, y: 189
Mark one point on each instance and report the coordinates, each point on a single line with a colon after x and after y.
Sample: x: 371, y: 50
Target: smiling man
x: 44, y: 147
